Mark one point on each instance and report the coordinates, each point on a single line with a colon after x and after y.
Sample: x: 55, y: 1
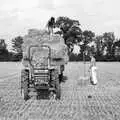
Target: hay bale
x: 41, y: 37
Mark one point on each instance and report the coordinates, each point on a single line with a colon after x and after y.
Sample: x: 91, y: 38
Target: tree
x: 4, y: 54
x: 70, y: 29
x: 99, y: 46
x: 116, y: 50
x: 108, y: 40
x: 17, y: 47
x: 88, y: 37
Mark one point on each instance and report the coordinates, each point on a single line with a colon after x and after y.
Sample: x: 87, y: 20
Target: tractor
x: 39, y: 73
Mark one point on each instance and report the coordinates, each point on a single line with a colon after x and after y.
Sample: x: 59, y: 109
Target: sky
x: 17, y: 16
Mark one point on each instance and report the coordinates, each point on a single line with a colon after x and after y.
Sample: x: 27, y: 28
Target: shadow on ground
x: 42, y: 94
x: 64, y: 79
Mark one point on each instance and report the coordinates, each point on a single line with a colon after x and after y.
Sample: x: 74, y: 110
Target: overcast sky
x: 17, y: 16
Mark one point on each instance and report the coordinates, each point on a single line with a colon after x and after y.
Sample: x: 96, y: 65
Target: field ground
x: 80, y: 100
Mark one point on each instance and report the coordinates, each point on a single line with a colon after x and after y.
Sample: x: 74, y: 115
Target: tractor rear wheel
x: 61, y: 77
x: 55, y: 83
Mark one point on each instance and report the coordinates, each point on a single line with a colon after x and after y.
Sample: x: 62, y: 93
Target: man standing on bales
x: 51, y: 25
x: 93, y: 70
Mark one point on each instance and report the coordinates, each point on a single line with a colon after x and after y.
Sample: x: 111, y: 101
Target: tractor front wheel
x: 58, y: 90
x: 24, y: 83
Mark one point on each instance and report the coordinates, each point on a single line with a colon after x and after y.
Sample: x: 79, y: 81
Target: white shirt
x: 76, y: 49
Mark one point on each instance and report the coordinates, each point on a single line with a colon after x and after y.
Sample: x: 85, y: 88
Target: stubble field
x: 79, y: 101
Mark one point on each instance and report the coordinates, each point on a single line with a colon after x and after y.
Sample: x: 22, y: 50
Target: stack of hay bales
x: 41, y: 37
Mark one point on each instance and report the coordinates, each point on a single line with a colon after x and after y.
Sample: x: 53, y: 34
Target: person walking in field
x: 93, y: 70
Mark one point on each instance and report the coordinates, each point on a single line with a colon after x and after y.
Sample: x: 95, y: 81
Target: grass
x: 81, y: 101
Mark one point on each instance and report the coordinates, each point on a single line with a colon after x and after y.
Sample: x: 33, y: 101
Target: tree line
x: 15, y: 54
x: 105, y: 47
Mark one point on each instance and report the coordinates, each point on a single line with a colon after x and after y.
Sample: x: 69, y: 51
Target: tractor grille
x: 41, y: 76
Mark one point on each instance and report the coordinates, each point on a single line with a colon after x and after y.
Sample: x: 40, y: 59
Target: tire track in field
x: 8, y: 76
x: 21, y: 113
x: 14, y: 107
x: 78, y: 91
x: 8, y: 89
x: 8, y: 85
x: 72, y: 83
